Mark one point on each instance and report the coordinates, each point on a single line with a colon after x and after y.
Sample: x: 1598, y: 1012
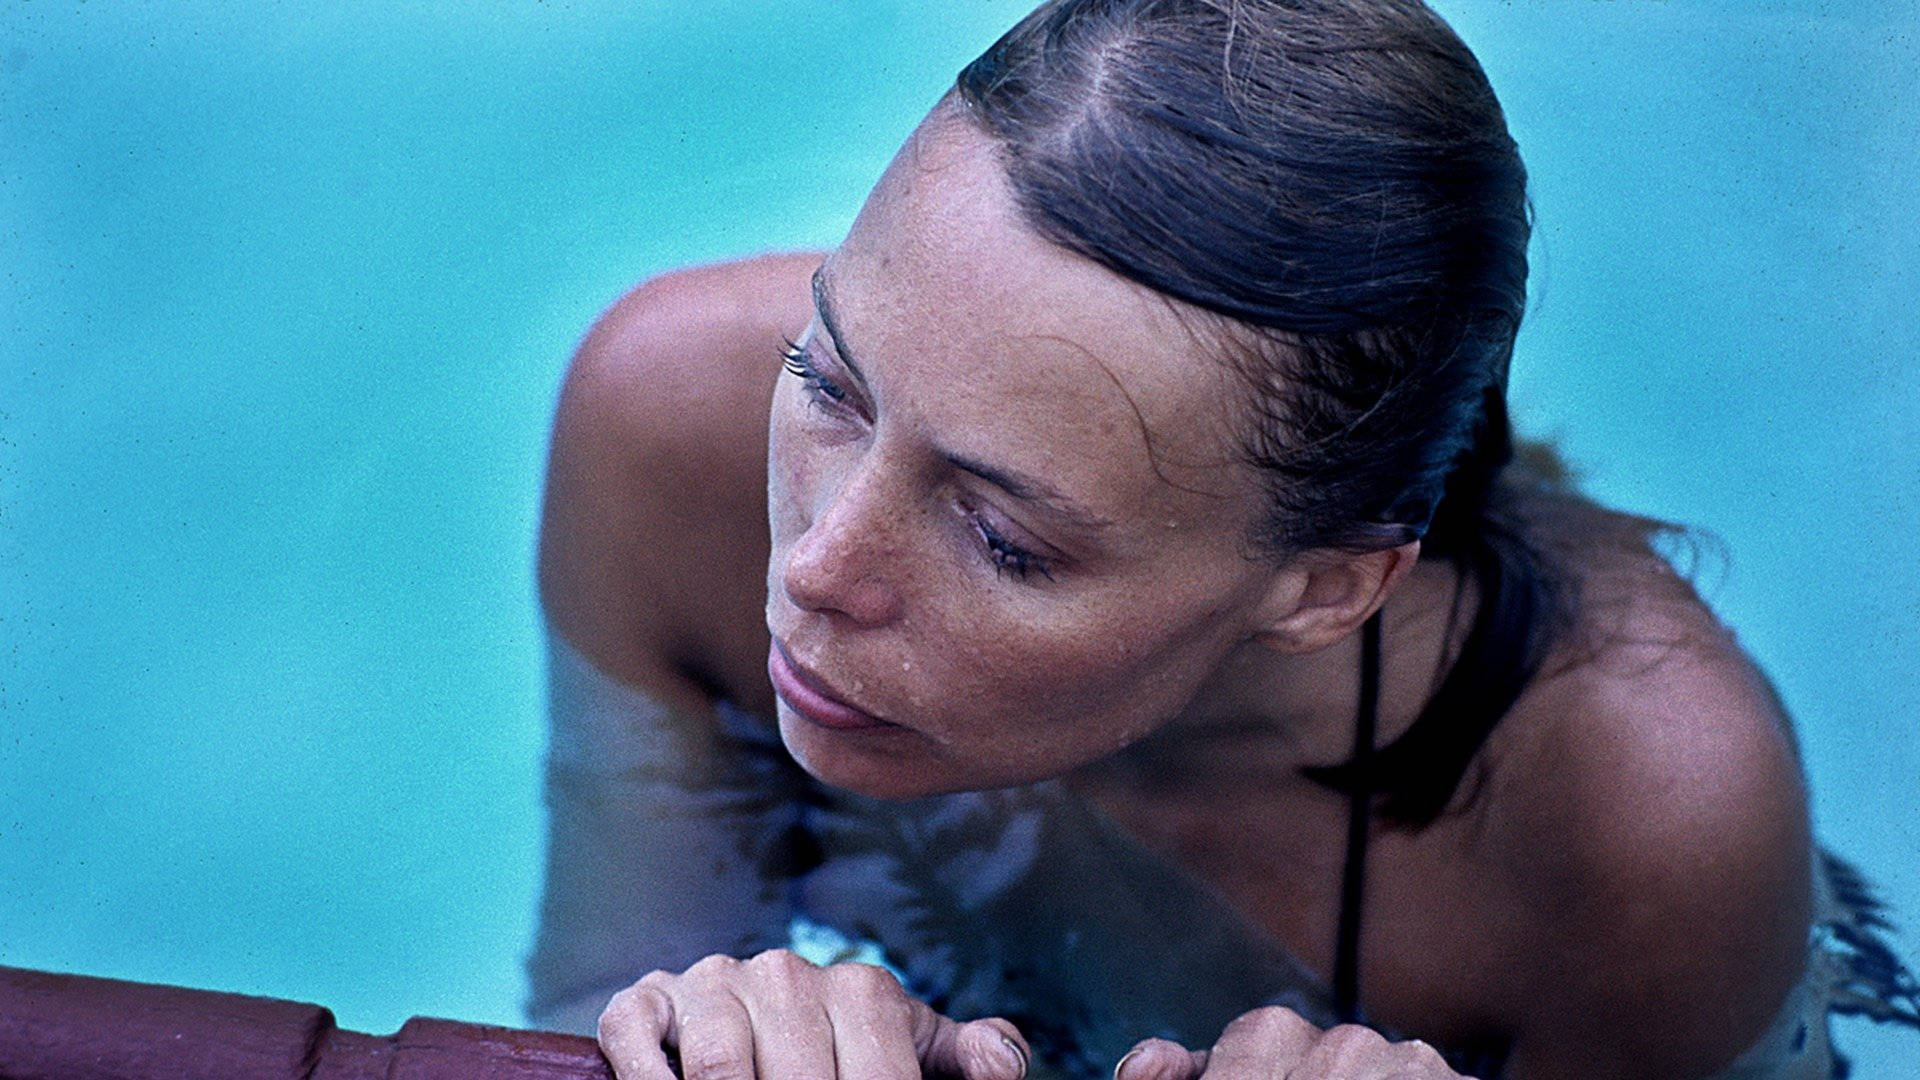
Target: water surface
x: 285, y: 293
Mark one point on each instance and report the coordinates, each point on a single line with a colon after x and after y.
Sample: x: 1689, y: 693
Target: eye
x: 1009, y: 558
x: 793, y: 357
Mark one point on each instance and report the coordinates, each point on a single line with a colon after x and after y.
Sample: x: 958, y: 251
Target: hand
x: 778, y: 1017
x: 1277, y: 1043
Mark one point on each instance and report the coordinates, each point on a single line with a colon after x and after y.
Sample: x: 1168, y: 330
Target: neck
x: 1271, y: 712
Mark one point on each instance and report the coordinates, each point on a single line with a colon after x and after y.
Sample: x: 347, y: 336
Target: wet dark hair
x: 1334, y: 180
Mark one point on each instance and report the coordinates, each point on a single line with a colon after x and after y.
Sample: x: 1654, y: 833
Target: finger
x: 1352, y: 1052
x: 633, y: 1028
x: 1267, y: 1042
x: 1160, y: 1059
x: 792, y: 1033
x: 990, y: 1049
x: 711, y: 1026
x: 1417, y: 1059
x: 873, y: 1024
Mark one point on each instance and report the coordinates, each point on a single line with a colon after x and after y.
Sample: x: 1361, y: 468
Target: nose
x: 846, y: 561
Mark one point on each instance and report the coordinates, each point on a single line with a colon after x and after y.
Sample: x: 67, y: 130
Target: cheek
x: 796, y: 468
x: 788, y: 472
x: 793, y: 475
x: 1073, y: 686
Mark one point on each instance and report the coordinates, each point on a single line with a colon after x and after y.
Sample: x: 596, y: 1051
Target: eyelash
x: 1007, y: 557
x: 793, y: 357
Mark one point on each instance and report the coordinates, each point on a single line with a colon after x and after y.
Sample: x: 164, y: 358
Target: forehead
x: 1011, y: 349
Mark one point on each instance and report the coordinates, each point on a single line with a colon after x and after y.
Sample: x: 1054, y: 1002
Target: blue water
x: 285, y: 292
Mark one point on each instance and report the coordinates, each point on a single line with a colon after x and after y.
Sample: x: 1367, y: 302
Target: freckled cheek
x: 1082, y: 674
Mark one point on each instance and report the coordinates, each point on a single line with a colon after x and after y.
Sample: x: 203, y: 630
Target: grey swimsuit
x: 669, y: 843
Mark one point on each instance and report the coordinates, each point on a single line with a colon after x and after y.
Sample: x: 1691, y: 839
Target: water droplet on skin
x: 906, y: 665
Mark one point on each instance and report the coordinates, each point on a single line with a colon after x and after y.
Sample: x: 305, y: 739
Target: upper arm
x: 653, y: 530
x: 1674, y: 920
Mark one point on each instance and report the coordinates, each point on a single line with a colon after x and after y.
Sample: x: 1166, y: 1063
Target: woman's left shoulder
x: 1656, y: 735
x: 1654, y: 815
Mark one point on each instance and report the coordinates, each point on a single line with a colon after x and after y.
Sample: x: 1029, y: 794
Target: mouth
x: 812, y: 699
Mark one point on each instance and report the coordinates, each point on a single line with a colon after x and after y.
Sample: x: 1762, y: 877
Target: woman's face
x: 1008, y: 517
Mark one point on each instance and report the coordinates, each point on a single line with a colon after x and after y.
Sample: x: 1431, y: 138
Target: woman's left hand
x: 1276, y: 1042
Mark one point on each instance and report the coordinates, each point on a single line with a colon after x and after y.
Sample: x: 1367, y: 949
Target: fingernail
x: 1019, y: 1055
x: 1123, y: 1062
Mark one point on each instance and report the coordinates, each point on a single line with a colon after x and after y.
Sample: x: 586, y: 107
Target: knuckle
x: 625, y: 1003
x: 717, y: 965
x: 871, y: 990
x: 1351, y: 1046
x: 779, y: 961
x: 715, y: 1063
x: 1348, y: 1038
x: 654, y: 978
x: 1420, y: 1053
x: 620, y: 1002
x: 1415, y: 1060
x: 713, y: 963
x: 864, y: 980
x: 1265, y: 1021
x: 632, y: 1007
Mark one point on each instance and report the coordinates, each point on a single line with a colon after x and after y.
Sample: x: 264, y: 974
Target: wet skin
x: 1010, y: 635
x: 1625, y: 895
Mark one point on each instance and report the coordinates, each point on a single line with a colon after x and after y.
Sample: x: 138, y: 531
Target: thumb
x: 990, y: 1049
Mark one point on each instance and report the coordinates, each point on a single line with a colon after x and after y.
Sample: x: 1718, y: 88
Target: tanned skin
x: 1626, y: 893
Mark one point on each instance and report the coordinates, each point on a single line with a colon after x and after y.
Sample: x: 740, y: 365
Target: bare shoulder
x: 653, y: 531
x: 1656, y: 823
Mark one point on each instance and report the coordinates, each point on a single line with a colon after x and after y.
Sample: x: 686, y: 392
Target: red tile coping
x: 75, y: 1027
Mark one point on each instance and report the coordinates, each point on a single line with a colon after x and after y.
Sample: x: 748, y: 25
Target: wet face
x: 1007, y: 515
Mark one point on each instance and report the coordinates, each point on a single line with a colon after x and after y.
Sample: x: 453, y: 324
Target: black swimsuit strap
x: 1346, y: 949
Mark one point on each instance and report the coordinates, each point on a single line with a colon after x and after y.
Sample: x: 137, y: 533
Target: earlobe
x: 1326, y: 596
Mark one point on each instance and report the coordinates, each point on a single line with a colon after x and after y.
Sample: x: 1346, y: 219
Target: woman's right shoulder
x: 653, y: 530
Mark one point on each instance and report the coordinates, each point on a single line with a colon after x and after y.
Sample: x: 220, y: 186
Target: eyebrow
x: 823, y: 304
x: 1020, y: 485
x: 1028, y: 489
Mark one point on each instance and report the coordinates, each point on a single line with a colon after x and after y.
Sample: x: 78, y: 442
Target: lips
x: 807, y: 695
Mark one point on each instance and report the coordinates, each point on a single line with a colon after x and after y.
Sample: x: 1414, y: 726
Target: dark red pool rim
x: 76, y: 1027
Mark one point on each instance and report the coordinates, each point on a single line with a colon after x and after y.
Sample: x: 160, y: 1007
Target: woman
x: 1161, y: 655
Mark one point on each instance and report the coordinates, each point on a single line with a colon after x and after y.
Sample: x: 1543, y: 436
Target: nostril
x: 869, y: 602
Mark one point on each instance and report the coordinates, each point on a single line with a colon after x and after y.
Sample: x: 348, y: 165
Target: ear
x: 1324, y: 596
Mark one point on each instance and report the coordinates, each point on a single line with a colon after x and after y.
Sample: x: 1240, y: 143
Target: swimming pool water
x: 285, y: 294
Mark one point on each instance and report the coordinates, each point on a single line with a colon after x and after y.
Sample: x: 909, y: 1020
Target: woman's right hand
x: 780, y: 1017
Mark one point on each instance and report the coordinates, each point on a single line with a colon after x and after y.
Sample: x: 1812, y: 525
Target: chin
x: 896, y: 766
